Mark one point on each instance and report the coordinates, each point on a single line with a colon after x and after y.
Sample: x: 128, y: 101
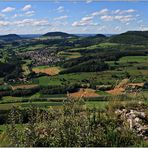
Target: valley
x: 46, y: 70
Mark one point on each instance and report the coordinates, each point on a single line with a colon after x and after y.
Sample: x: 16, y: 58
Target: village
x: 41, y: 57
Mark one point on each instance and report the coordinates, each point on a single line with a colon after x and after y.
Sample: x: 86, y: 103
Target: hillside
x: 130, y: 37
x: 10, y: 37
x: 58, y: 34
x: 100, y: 35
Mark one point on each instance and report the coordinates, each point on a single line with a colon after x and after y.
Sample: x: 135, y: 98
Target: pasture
x: 139, y: 59
x: 69, y: 55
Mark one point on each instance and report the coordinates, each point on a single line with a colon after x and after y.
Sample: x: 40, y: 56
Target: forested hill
x: 61, y: 34
x: 100, y: 35
x: 131, y: 37
x: 10, y: 37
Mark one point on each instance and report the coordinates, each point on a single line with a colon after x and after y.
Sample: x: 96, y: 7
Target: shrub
x: 72, y: 126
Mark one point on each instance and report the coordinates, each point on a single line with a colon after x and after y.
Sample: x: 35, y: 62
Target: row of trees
x: 89, y: 66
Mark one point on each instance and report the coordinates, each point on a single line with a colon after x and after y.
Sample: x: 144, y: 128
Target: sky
x: 83, y: 17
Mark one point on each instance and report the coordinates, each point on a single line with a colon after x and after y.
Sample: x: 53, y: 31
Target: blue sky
x: 73, y: 17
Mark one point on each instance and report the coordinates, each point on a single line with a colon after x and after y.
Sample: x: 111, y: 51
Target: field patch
x: 69, y: 55
x: 47, y: 70
x: 134, y: 59
x: 116, y: 91
x: 84, y: 93
x: 25, y: 67
x: 24, y: 86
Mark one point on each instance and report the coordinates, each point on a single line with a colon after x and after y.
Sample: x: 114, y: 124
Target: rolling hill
x: 58, y: 34
x: 10, y: 37
x: 130, y: 37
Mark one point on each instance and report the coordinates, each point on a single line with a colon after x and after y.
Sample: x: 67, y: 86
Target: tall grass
x: 74, y: 125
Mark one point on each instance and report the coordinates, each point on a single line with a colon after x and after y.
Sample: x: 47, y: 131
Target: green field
x: 69, y: 55
x: 25, y: 67
x: 139, y: 59
x: 107, y: 77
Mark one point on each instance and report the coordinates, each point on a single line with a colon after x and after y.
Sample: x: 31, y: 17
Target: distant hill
x: 139, y: 33
x: 58, y: 34
x: 85, y: 35
x: 100, y: 35
x: 92, y: 35
x: 10, y: 37
x: 130, y: 37
x: 30, y: 36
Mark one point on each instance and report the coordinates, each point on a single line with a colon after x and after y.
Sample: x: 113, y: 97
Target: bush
x: 73, y: 126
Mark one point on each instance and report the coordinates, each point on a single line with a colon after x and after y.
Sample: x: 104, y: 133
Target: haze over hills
x: 30, y: 36
x: 134, y: 37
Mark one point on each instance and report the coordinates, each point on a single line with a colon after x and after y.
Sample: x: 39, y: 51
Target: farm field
x: 108, y: 77
x: 139, y: 59
x: 47, y: 70
x: 69, y: 55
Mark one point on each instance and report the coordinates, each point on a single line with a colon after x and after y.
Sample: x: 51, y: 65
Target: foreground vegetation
x: 73, y: 125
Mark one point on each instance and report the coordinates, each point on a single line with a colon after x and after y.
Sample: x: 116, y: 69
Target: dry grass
x: 84, y: 93
x: 136, y: 84
x: 121, y: 87
x: 116, y: 91
x: 24, y: 86
x: 50, y: 70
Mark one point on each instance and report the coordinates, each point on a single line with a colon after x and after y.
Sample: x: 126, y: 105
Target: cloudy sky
x: 73, y: 17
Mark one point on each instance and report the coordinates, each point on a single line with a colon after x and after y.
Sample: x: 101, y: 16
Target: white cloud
x: 4, y: 23
x: 101, y: 12
x: 2, y: 15
x: 30, y: 13
x: 124, y: 18
x: 107, y: 17
x: 89, y: 1
x: 15, y: 15
x: 85, y: 21
x: 26, y: 8
x: 127, y: 23
x: 26, y: 22
x: 60, y: 9
x: 118, y: 11
x: 61, y: 18
x: 8, y: 9
x: 120, y: 18
x: 41, y: 23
